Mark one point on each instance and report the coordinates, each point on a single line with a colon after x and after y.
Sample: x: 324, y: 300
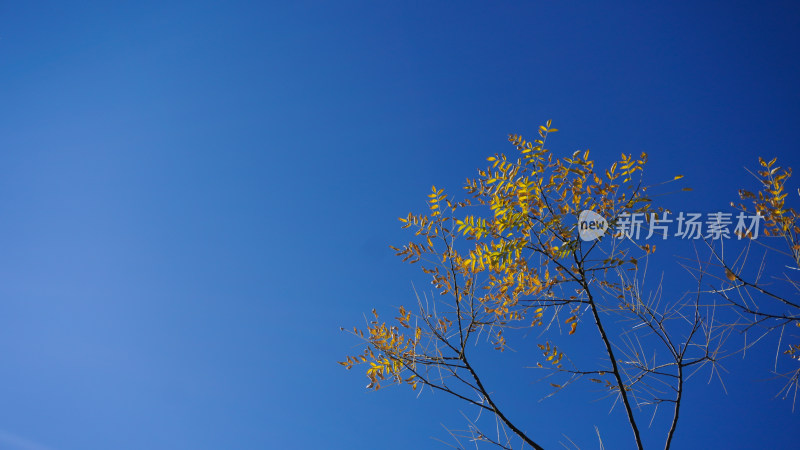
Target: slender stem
x: 615, y: 369
x: 677, y: 408
x: 496, y: 410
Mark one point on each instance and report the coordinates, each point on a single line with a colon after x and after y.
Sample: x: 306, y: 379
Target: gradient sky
x: 195, y: 196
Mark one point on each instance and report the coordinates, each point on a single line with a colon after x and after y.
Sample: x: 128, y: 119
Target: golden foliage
x: 520, y: 246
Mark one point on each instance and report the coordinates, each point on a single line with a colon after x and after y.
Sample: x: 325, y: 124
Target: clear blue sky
x: 195, y: 196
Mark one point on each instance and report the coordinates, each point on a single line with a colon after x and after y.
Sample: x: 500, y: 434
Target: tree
x: 511, y: 257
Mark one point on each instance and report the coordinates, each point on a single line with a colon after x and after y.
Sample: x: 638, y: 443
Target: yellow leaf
x: 730, y: 275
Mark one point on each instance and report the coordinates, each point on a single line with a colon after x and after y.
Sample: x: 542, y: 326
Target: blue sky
x: 195, y: 196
